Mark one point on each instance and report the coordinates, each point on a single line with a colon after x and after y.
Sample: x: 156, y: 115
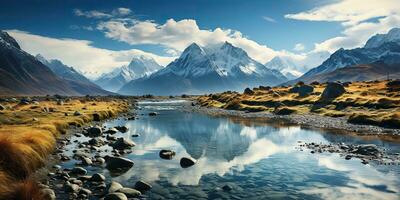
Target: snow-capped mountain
x: 139, y: 67
x: 285, y: 66
x: 383, y: 47
x: 23, y: 74
x: 204, y: 69
x: 392, y: 36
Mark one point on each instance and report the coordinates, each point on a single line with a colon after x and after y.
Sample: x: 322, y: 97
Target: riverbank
x: 363, y: 108
x: 29, y: 130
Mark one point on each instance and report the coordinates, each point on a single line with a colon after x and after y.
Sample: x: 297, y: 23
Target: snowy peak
x: 193, y: 49
x: 379, y: 39
x: 8, y: 40
x: 285, y: 66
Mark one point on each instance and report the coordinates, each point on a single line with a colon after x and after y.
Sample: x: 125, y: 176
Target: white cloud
x: 122, y: 11
x: 269, y: 19
x: 360, y: 19
x: 178, y: 35
x: 80, y: 54
x: 299, y: 47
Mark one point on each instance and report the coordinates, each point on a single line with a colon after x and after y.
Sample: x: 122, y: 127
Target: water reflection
x: 260, y: 158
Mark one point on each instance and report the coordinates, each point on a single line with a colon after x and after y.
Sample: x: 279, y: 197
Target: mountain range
x: 23, y: 74
x: 380, y: 51
x: 140, y: 66
x: 201, y: 70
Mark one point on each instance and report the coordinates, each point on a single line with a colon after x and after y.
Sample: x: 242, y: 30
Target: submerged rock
x: 116, y: 163
x: 130, y: 192
x: 153, y: 114
x: 142, y: 186
x: 187, y: 162
x: 115, y: 196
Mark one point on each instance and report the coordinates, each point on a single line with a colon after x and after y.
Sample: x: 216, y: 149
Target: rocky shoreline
x: 312, y: 121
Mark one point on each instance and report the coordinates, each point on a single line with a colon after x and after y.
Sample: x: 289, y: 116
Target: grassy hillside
x: 28, y: 135
x: 373, y: 102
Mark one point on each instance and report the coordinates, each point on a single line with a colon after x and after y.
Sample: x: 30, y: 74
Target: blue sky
x: 263, y: 28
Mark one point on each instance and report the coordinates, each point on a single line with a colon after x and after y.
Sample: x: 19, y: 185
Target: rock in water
x: 123, y: 143
x: 129, y: 192
x: 79, y: 171
x: 332, y: 91
x: 111, y: 131
x: 122, y: 129
x: 142, y: 186
x: 113, y: 187
x: 368, y: 150
x: 166, y: 154
x: 118, y: 164
x: 94, y: 131
x: 187, y: 162
x: 98, y: 177
x: 153, y: 114
x: 115, y: 196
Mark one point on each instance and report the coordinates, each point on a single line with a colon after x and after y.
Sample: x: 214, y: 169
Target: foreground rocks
x: 117, y: 163
x: 187, y: 162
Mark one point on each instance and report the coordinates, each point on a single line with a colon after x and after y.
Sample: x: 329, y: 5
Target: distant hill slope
x: 363, y: 72
x: 23, y: 74
x: 76, y: 80
x: 382, y: 48
x: 202, y: 70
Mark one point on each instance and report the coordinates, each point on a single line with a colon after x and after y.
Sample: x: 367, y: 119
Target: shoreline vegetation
x: 29, y: 128
x: 366, y: 108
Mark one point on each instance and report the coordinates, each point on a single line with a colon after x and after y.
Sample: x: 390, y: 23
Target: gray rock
x: 115, y: 196
x: 187, y: 162
x: 113, y: 187
x: 86, y: 161
x: 166, y: 154
x: 78, y: 171
x: 116, y: 163
x: 153, y: 114
x: 85, y: 191
x: 368, y: 150
x: 96, y: 142
x: 72, y: 188
x: 142, y: 186
x: 98, y: 177
x: 122, y: 129
x: 302, y: 90
x: 332, y: 91
x: 122, y: 144
x: 111, y: 131
x: 111, y: 137
x: 48, y: 194
x: 130, y: 192
x: 94, y: 131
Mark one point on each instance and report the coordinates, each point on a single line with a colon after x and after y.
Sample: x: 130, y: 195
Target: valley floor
x: 365, y: 108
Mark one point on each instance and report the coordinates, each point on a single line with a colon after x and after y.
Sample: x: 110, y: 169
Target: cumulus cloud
x: 80, y: 54
x: 177, y: 35
x: 360, y: 20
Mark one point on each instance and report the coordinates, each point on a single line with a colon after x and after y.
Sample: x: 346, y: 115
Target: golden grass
x: 364, y: 102
x: 28, y: 135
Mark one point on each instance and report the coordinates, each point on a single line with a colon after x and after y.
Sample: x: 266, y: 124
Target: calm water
x: 258, y: 161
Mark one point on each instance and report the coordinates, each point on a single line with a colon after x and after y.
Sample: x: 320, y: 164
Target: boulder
x: 48, y: 194
x: 248, y: 91
x: 332, y: 91
x: 98, y: 177
x: 111, y: 131
x: 115, y: 196
x: 116, y: 163
x: 153, y: 114
x: 111, y: 137
x: 130, y: 192
x: 78, y: 171
x: 94, y: 131
x: 187, y: 162
x: 123, y: 143
x: 122, y: 129
x: 113, y: 187
x: 86, y: 161
x: 71, y: 188
x: 167, y: 154
x: 142, y: 186
x: 302, y: 90
x: 96, y: 142
x: 77, y: 113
